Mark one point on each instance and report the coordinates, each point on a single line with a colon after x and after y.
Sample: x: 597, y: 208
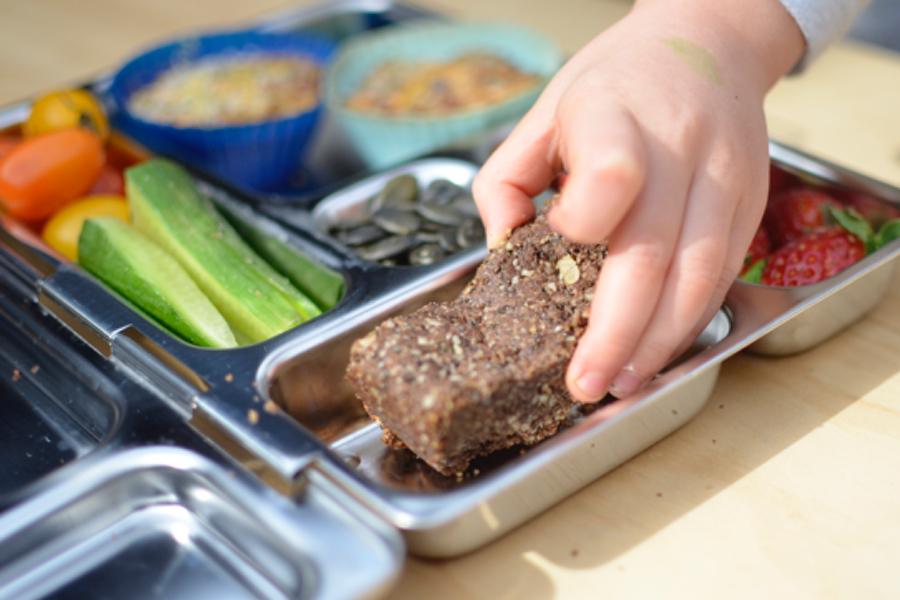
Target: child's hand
x: 659, y: 124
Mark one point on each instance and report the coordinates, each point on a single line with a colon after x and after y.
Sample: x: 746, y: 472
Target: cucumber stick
x: 322, y: 285
x: 146, y: 275
x: 166, y: 206
x: 304, y: 306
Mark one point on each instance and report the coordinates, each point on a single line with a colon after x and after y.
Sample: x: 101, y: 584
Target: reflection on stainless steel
x: 57, y: 406
x: 159, y: 522
x: 812, y: 320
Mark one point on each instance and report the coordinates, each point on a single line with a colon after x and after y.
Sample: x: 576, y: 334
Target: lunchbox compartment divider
x: 13, y: 115
x: 268, y: 443
x: 797, y: 161
x: 59, y: 404
x: 23, y: 265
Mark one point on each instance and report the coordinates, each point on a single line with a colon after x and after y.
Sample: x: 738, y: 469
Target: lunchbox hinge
x: 281, y: 458
x: 112, y: 329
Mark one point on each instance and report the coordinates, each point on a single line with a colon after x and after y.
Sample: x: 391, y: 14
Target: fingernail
x: 593, y: 385
x: 494, y: 239
x: 626, y: 383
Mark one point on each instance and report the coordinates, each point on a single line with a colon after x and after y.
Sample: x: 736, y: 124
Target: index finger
x: 522, y: 167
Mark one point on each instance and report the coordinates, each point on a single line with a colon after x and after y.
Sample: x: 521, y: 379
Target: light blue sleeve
x: 822, y: 22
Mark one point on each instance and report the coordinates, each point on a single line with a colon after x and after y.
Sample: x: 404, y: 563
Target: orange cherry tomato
x: 62, y: 229
x: 66, y: 109
x: 7, y: 143
x: 42, y: 173
x: 109, y: 182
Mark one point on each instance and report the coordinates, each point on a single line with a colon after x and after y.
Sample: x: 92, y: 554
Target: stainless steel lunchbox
x: 254, y: 472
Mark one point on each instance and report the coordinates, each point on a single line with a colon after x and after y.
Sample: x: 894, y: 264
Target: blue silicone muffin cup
x: 260, y: 156
x: 383, y: 141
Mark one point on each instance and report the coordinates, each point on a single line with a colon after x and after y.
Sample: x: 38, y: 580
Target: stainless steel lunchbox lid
x: 106, y: 490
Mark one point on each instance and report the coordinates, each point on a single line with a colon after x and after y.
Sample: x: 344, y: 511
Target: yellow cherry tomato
x: 66, y: 109
x: 62, y: 229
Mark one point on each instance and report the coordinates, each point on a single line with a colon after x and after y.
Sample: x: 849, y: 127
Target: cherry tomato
x: 109, y: 182
x: 64, y: 110
x: 62, y: 229
x: 43, y: 173
x: 7, y: 143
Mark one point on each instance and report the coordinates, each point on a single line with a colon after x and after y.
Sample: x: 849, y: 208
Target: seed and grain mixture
x: 435, y: 88
x: 486, y: 371
x: 224, y: 91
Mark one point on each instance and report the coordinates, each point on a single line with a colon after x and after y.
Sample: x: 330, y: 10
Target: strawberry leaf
x: 889, y: 232
x: 754, y: 273
x: 827, y: 216
x: 851, y: 220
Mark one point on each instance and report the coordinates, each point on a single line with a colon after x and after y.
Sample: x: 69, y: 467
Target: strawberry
x: 813, y: 257
x: 796, y: 211
x: 825, y: 252
x: 760, y: 247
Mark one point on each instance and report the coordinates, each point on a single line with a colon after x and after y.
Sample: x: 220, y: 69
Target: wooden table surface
x: 787, y: 484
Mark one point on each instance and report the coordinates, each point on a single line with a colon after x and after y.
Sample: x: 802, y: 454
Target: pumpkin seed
x: 448, y: 239
x: 398, y: 226
x: 465, y: 204
x: 394, y: 220
x: 352, y: 218
x: 358, y: 236
x: 438, y: 213
x: 441, y: 191
x: 470, y: 231
x: 388, y: 247
x: 426, y: 254
x: 428, y: 236
x: 400, y: 192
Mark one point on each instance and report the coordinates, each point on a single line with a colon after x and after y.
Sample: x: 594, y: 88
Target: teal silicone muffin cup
x: 382, y: 141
